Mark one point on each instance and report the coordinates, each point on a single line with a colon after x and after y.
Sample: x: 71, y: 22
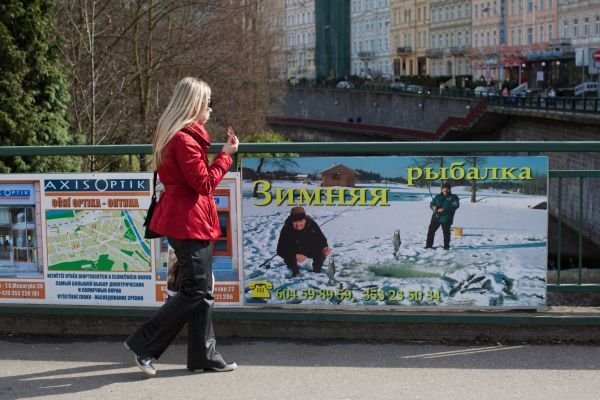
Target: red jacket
x: 186, y: 208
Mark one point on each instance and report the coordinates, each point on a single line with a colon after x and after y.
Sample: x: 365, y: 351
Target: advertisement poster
x: 353, y: 231
x: 77, y: 239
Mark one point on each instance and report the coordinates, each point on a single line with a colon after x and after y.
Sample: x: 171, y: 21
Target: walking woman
x: 186, y: 214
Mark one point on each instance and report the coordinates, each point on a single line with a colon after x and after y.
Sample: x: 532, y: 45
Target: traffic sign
x: 594, y: 61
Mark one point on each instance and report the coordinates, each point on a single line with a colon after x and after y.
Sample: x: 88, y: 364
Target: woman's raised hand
x: 231, y: 145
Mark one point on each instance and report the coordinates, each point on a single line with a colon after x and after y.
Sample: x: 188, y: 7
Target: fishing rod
x: 431, y: 194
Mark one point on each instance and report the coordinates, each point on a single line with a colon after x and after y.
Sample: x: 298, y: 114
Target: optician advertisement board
x: 77, y: 239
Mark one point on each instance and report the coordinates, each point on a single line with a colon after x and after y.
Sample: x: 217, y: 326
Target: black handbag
x: 148, y: 233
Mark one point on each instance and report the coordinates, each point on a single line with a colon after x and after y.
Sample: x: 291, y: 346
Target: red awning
x: 511, y: 62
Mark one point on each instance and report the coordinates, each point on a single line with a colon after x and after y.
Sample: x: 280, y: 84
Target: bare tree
x: 126, y: 56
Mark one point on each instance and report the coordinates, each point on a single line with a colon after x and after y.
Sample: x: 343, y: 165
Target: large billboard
x: 77, y: 239
x: 384, y: 231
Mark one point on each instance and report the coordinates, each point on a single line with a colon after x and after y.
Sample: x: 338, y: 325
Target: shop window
x: 223, y: 245
x: 24, y: 248
x: 4, y: 243
x: 22, y: 215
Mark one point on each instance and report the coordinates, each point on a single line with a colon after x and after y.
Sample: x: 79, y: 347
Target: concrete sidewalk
x: 100, y: 368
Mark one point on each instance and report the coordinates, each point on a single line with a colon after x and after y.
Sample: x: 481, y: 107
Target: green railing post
x: 580, y: 228
x: 558, y: 256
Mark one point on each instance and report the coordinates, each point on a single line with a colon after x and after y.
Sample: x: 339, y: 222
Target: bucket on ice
x: 458, y: 231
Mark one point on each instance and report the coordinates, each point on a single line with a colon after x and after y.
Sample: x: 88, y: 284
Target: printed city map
x: 97, y: 240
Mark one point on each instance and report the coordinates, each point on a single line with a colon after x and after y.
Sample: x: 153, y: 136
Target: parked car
x: 484, y: 91
x: 345, y: 85
x: 401, y: 86
x: 415, y: 89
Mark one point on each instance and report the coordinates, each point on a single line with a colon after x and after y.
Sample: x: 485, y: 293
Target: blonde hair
x: 188, y: 103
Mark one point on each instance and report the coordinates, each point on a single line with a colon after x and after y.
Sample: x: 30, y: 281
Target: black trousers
x: 317, y: 262
x: 433, y: 227
x: 192, y: 304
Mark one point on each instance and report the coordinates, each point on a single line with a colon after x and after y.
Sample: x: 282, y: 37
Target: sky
x: 396, y: 166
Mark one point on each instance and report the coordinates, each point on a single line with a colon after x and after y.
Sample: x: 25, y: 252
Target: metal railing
x: 385, y: 148
x: 522, y: 101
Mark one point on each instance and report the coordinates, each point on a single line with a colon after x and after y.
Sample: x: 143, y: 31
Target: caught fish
x: 456, y: 289
x: 508, y: 285
x: 331, y: 272
x: 397, y: 242
x: 475, y: 280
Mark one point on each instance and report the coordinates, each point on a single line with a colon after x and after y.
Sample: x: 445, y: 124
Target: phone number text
x: 367, y: 295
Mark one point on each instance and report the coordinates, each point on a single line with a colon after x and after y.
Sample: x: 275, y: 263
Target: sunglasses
x: 210, y: 103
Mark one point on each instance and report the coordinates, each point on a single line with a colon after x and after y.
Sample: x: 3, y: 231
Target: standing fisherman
x: 444, y: 206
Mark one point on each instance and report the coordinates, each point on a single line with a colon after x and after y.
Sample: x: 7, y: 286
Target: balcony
x: 434, y: 53
x: 404, y: 50
x: 458, y: 50
x: 473, y: 52
x: 366, y: 55
x: 493, y: 50
x: 561, y: 42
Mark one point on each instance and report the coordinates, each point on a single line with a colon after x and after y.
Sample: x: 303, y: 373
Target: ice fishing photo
x: 396, y: 231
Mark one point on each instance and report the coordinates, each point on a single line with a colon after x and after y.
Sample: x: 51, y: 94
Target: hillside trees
x: 127, y: 55
x: 33, y: 87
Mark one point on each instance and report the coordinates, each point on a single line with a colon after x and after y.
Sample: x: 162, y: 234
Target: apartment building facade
x: 450, y: 32
x: 504, y: 41
x: 370, y: 38
x: 300, y: 38
x: 409, y: 34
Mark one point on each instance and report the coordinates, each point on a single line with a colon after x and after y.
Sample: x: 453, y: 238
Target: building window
x: 597, y: 26
x: 565, y: 29
x: 575, y: 28
x: 549, y: 32
x: 529, y: 5
x: 586, y: 27
x: 542, y: 39
x: 529, y: 35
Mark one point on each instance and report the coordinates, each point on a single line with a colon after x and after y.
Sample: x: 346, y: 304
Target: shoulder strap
x: 154, y: 186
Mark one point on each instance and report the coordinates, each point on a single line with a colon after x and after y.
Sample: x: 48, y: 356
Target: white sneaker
x: 145, y: 363
x: 225, y: 368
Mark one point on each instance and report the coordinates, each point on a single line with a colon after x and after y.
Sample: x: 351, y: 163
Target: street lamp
x: 543, y: 74
x: 332, y: 31
x: 522, y: 65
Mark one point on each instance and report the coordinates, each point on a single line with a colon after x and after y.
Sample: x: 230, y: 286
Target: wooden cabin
x: 338, y: 175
